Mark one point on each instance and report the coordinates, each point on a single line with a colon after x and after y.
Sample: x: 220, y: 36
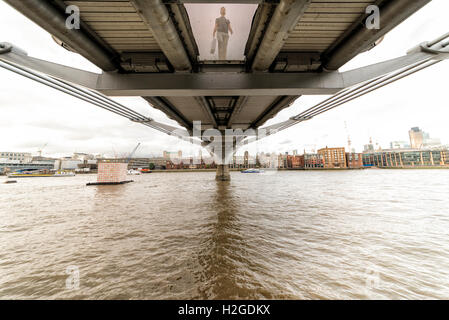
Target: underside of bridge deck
x: 148, y: 48
x: 154, y: 36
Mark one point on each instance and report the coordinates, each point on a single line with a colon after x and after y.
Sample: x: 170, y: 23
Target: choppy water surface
x: 290, y: 235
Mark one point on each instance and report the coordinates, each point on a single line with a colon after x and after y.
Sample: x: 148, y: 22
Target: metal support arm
x: 16, y: 56
x: 222, y: 84
x: 347, y: 85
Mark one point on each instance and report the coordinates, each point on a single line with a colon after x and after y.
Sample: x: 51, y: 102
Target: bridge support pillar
x: 223, y: 173
x: 225, y: 154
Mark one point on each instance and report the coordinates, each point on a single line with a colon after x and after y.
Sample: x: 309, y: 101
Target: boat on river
x: 252, y: 170
x: 31, y: 173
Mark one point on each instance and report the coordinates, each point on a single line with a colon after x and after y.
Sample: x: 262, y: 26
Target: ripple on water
x: 287, y: 235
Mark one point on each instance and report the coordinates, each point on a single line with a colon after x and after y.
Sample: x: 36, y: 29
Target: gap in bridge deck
x: 202, y: 19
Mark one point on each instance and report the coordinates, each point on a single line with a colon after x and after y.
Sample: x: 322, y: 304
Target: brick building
x: 295, y: 162
x: 354, y: 160
x: 312, y: 161
x: 333, y: 157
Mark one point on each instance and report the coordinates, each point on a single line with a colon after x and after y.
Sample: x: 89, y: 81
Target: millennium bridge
x: 148, y: 48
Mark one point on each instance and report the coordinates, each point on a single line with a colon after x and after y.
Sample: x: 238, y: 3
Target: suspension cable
x: 380, y: 85
x: 106, y: 103
x: 356, y: 90
x: 89, y: 96
x: 59, y: 88
x: 350, y: 94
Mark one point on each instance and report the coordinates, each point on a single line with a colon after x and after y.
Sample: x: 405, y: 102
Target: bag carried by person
x: 213, y: 45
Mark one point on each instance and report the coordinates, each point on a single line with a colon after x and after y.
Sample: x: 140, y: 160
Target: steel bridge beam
x: 219, y: 84
x: 51, y: 19
x: 216, y: 84
x: 258, y: 27
x: 281, y: 103
x: 284, y: 20
x: 182, y: 21
x: 244, y: 84
x: 220, y: 1
x: 157, y: 17
x: 360, y: 38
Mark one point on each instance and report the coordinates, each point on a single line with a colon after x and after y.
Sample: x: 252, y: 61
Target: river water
x: 372, y: 234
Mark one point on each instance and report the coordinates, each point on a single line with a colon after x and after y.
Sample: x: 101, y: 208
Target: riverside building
x: 333, y: 158
x: 404, y: 158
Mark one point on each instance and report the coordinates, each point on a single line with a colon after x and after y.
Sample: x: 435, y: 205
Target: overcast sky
x: 32, y: 115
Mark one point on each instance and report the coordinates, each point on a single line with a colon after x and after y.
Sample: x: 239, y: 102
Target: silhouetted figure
x: 222, y: 29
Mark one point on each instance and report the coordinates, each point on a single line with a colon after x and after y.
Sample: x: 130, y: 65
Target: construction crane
x: 115, y: 153
x: 349, y: 138
x: 40, y: 150
x: 132, y: 153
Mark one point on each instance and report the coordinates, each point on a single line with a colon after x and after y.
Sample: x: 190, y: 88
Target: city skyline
x: 418, y: 140
x: 426, y: 140
x: 33, y: 115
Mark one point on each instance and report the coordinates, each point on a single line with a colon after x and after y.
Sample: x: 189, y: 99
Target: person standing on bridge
x: 222, y: 29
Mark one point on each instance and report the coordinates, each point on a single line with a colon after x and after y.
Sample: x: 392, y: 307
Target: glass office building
x: 406, y: 158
